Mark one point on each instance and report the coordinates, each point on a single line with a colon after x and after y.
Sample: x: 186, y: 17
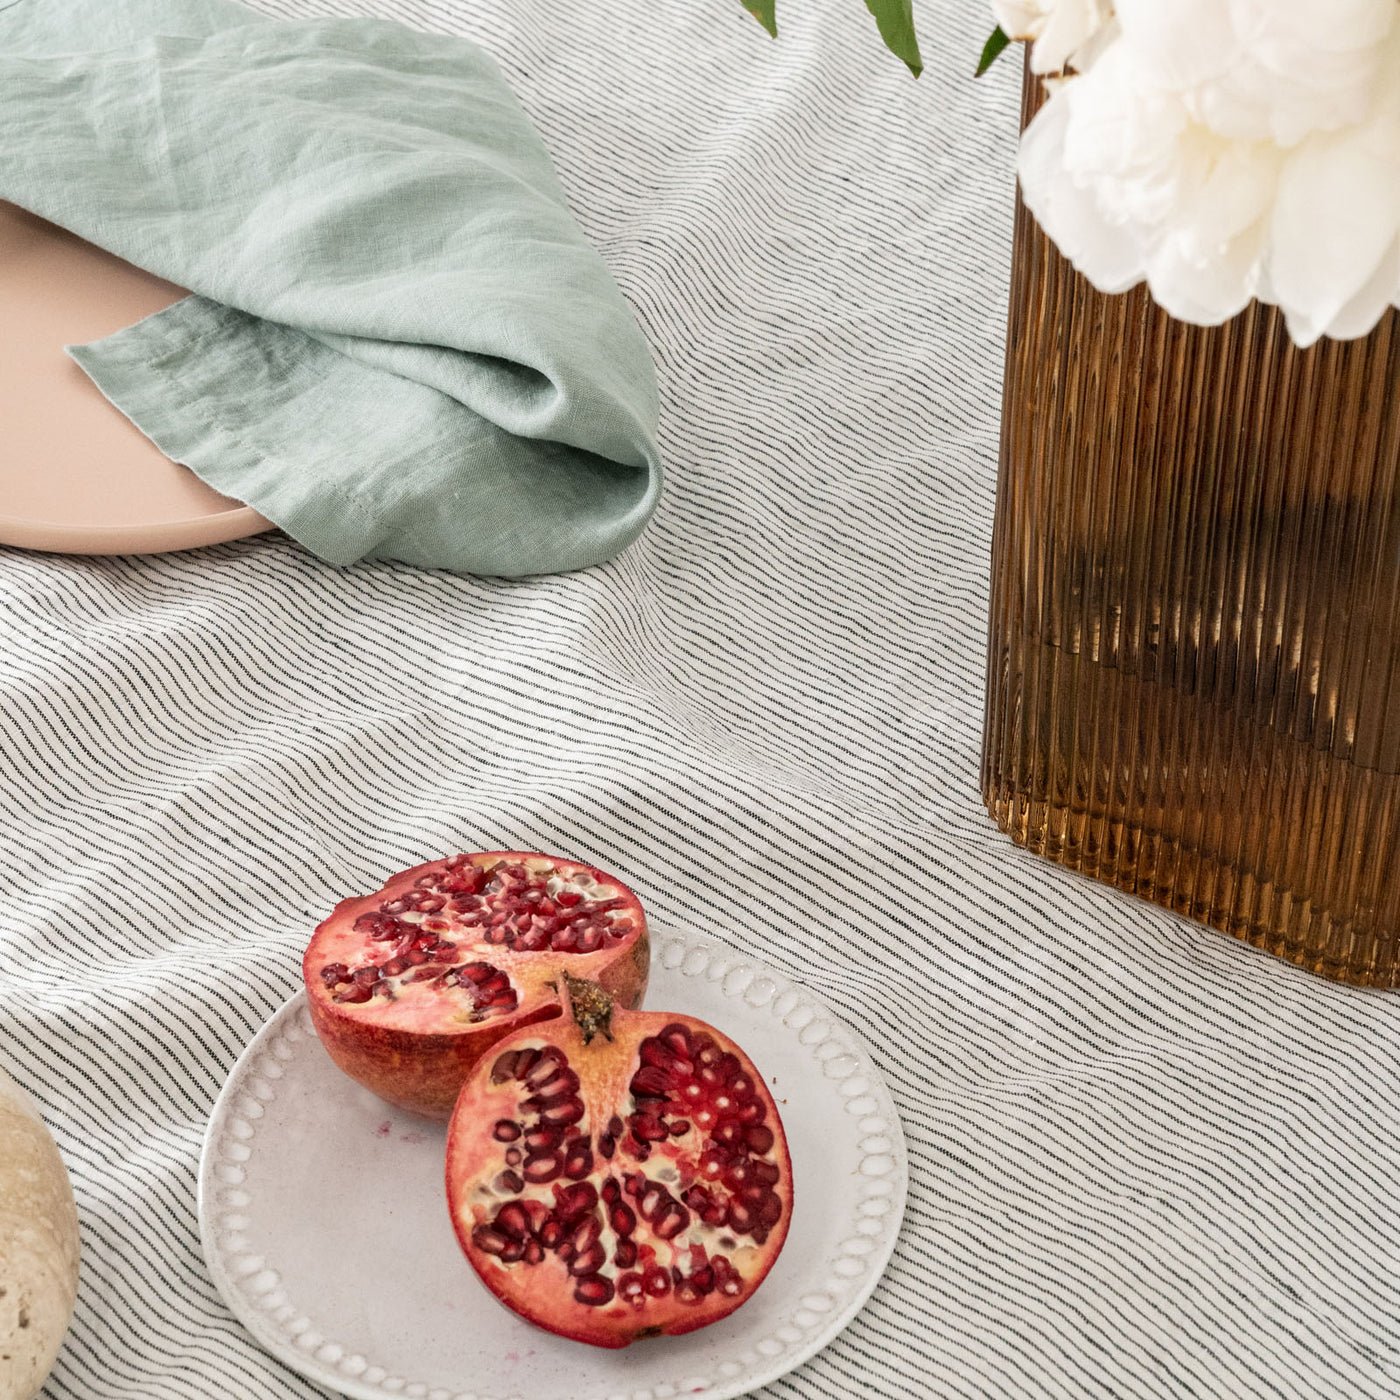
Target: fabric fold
x: 401, y: 343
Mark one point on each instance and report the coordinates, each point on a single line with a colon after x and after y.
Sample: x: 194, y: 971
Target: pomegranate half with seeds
x: 409, y: 987
x: 618, y: 1174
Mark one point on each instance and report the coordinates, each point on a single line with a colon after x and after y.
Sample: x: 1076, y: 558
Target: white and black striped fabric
x: 1147, y: 1161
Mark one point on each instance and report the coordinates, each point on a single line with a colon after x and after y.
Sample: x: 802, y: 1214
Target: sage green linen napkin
x: 401, y: 344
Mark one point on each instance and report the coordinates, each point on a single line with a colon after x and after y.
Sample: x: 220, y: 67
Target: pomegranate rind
x: 543, y: 1292
x: 420, y: 1066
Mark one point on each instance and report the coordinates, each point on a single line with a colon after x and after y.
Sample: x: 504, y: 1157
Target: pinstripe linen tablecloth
x: 1147, y: 1161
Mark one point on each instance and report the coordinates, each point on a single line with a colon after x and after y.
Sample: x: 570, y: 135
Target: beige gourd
x: 38, y: 1246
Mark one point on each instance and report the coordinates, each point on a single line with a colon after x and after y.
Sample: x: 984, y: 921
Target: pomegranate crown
x: 587, y: 1005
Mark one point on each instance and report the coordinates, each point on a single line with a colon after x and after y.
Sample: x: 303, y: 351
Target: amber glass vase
x: 1193, y: 676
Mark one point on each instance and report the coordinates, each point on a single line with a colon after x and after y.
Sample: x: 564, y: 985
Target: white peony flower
x: 1227, y: 149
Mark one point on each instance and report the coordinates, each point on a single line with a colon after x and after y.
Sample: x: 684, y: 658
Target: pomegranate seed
x: 333, y: 973
x: 770, y: 1212
x: 512, y: 1220
x: 551, y: 1232
x: 505, y: 1130
x: 539, y: 1170
x: 586, y: 1233
x: 679, y: 1128
x: 431, y: 903
x: 393, y: 967
x: 572, y: 1202
x: 542, y: 1139
x: 759, y: 1138
x: 490, y: 1241
x: 607, y: 1145
x: 509, y: 1181
x: 739, y: 1175
x: 513, y: 1157
x: 623, y: 1218
x: 543, y: 1074
x: 631, y: 1287
x: 504, y: 1068
x: 534, y: 1252
x: 589, y: 1260
x: 625, y: 1254
x: 740, y: 1218
x: 671, y: 1221
x: 579, y: 1161
x: 590, y: 940
x: 569, y: 1111
x: 594, y: 1291
x: 649, y: 1129
x: 354, y: 994
x: 568, y: 898
x: 766, y: 1173
x: 365, y: 975
x: 714, y: 1215
x: 654, y: 1199
x: 657, y: 1282
x: 612, y: 1192
x: 704, y: 1280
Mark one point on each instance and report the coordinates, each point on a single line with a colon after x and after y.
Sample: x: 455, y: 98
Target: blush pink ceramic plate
x: 75, y: 476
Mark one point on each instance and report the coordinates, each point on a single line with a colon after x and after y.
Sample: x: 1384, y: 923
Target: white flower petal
x: 1204, y: 293
x: 1359, y: 316
x: 1105, y: 253
x: 1068, y: 27
x: 1337, y: 212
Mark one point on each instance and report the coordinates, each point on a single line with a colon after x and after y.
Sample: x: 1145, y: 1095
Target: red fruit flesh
x: 654, y: 1190
x: 408, y: 988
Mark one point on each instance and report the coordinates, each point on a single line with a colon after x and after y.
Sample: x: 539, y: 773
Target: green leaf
x: 764, y: 12
x: 896, y: 21
x: 993, y: 47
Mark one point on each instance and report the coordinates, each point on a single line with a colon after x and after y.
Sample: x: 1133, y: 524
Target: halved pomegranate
x: 408, y: 988
x: 618, y: 1174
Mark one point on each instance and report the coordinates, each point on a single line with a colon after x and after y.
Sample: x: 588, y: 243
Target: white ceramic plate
x: 325, y: 1222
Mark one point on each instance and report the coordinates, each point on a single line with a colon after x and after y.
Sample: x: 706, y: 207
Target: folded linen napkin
x: 400, y: 343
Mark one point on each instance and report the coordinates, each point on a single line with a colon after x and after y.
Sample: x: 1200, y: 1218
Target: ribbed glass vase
x: 1193, y: 680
